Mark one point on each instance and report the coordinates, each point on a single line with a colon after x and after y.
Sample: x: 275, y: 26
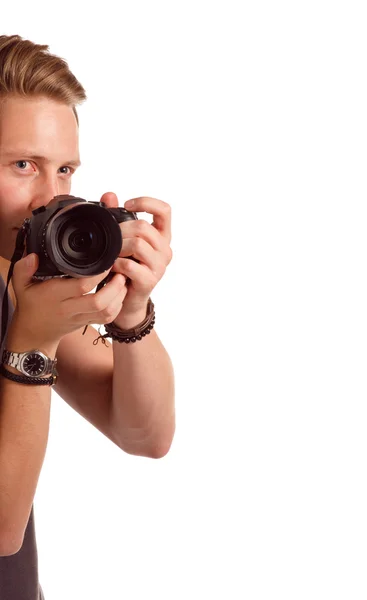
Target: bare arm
x: 143, y: 398
x: 24, y: 427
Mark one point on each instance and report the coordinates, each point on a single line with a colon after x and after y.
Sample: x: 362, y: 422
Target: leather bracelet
x: 28, y: 380
x: 130, y: 335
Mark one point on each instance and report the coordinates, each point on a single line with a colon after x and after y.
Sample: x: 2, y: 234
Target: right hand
x: 48, y: 310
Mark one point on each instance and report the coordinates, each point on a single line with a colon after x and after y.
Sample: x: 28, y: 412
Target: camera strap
x: 17, y: 255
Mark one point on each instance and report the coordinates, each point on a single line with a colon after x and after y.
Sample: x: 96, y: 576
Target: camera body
x: 75, y: 238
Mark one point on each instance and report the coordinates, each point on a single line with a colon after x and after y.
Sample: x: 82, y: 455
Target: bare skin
x: 126, y: 391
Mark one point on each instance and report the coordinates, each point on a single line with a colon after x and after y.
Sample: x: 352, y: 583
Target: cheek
x: 13, y: 201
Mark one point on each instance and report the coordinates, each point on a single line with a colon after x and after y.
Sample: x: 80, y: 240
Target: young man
x: 126, y: 390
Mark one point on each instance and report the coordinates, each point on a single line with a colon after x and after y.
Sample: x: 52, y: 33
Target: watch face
x: 34, y: 364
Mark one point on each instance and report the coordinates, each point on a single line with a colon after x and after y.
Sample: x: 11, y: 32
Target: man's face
x: 39, y: 152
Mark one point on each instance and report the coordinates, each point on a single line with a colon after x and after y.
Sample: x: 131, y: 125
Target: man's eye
x: 70, y: 170
x: 22, y: 162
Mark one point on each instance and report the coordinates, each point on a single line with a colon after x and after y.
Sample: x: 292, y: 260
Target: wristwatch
x: 32, y: 363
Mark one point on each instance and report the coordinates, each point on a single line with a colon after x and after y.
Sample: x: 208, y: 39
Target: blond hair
x: 28, y: 69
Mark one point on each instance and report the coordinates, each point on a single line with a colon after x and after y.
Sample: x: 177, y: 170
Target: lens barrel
x: 82, y: 238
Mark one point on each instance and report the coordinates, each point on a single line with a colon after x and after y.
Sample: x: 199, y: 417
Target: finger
x: 142, y: 251
x: 108, y: 315
x: 100, y: 302
x: 142, y: 279
x: 65, y: 289
x: 110, y: 199
x: 160, y: 210
x: 145, y: 230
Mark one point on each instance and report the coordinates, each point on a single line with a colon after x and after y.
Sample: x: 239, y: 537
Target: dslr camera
x: 73, y: 237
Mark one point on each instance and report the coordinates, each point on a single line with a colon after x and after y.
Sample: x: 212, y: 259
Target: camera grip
x: 122, y: 214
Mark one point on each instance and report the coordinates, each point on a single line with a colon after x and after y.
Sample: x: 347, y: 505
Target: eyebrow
x: 74, y: 163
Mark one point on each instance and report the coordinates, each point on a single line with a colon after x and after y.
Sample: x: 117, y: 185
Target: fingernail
x: 129, y: 203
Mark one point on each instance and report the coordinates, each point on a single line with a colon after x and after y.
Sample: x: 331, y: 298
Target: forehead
x: 44, y: 126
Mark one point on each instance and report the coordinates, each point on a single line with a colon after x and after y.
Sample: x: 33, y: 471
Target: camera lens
x: 81, y: 241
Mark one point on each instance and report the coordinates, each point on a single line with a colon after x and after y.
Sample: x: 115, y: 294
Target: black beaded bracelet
x: 28, y: 380
x: 115, y: 334
x: 130, y: 335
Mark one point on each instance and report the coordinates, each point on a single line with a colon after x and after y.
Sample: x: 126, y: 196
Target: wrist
x: 129, y: 321
x: 17, y: 372
x: 130, y: 317
x: 123, y: 330
x: 19, y: 339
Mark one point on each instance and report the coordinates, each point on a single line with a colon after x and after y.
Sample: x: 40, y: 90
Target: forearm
x: 143, y: 411
x: 24, y: 427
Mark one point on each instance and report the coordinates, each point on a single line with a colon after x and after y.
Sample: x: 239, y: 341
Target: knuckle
x: 108, y: 314
x: 128, y: 265
x: 142, y: 225
x: 138, y: 244
x: 84, y: 286
x: 98, y: 304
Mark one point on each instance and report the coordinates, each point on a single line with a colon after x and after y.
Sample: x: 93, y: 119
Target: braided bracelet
x: 28, y: 380
x: 130, y: 335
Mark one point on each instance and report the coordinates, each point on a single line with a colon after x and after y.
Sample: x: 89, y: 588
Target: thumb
x: 110, y: 199
x: 23, y: 272
x: 26, y: 267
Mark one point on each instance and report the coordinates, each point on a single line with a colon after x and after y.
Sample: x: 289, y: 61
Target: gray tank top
x: 19, y: 572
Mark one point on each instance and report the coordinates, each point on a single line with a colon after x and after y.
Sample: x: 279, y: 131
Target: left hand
x: 150, y: 245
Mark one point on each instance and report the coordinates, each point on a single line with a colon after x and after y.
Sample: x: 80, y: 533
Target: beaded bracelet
x: 28, y: 380
x: 130, y: 335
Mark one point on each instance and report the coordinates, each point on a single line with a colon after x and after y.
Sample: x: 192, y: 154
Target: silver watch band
x: 15, y: 359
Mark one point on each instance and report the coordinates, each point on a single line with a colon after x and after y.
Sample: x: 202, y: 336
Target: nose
x: 44, y: 192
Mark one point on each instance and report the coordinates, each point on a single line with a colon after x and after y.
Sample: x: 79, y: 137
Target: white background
x: 249, y: 118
